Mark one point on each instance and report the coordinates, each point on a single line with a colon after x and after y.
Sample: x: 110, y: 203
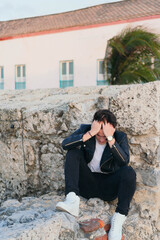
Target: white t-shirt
x: 94, y: 164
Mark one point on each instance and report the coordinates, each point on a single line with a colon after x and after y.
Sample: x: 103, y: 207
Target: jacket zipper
x: 119, y: 153
x: 105, y: 162
x: 73, y: 142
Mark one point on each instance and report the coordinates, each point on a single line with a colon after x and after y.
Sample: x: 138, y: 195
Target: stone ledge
x: 36, y: 218
x: 33, y: 125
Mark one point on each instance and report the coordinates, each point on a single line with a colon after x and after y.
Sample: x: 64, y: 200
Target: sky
x: 15, y: 9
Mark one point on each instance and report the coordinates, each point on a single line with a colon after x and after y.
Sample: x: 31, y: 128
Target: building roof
x: 91, y: 16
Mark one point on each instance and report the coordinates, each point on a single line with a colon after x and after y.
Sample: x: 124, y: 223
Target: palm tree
x: 133, y: 57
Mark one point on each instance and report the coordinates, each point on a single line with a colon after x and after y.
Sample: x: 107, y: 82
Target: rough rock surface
x: 32, y: 126
x: 36, y: 218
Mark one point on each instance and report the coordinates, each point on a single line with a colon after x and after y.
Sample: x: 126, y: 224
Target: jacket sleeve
x: 120, y: 151
x: 74, y: 140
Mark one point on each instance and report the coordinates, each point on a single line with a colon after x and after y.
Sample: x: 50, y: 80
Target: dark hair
x: 105, y: 115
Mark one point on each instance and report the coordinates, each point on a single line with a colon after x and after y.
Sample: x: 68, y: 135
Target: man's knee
x: 127, y: 172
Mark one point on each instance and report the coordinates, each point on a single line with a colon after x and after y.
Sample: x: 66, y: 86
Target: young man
x: 97, y: 166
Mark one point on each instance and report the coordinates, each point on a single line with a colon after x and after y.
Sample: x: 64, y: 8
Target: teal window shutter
x: 2, y: 73
x: 101, y: 76
x: 18, y: 71
x: 66, y: 74
x: 24, y: 71
x: 20, y: 80
x: 101, y: 67
x: 64, y: 68
x: 1, y: 77
x: 70, y: 67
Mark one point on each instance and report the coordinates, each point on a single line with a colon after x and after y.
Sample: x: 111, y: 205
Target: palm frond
x: 128, y: 57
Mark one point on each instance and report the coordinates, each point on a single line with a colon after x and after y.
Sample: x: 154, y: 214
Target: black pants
x: 80, y: 179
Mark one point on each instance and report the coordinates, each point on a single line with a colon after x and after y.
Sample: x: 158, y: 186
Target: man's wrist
x: 87, y: 136
x: 110, y: 138
x: 111, y: 143
x: 92, y: 133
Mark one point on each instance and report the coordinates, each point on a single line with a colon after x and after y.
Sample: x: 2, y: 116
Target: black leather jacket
x: 112, y: 158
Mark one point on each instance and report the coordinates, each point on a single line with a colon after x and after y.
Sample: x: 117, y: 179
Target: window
x: 1, y: 77
x: 20, y: 82
x: 66, y: 74
x: 101, y: 76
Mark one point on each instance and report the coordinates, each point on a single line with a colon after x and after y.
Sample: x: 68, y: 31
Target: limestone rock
x: 33, y: 126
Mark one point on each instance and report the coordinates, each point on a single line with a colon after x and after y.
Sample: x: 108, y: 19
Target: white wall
x: 41, y: 54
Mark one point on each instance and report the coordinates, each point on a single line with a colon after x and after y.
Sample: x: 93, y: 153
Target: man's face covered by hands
x: 102, y: 130
x: 101, y: 138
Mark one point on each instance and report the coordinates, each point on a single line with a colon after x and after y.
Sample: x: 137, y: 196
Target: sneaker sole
x: 64, y: 210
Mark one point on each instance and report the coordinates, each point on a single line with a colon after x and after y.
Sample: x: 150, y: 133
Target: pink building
x: 67, y: 49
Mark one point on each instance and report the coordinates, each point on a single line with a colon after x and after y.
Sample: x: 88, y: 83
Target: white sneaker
x: 70, y: 205
x: 115, y: 232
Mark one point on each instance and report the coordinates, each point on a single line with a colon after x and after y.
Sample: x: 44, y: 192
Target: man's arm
x: 76, y: 138
x: 81, y: 135
x: 119, y: 151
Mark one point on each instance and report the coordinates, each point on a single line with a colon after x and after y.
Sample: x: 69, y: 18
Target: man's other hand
x: 95, y: 128
x: 108, y: 129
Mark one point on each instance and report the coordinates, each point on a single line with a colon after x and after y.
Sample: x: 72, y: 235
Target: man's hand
x: 95, y: 128
x: 108, y: 129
